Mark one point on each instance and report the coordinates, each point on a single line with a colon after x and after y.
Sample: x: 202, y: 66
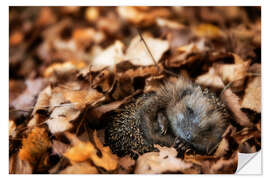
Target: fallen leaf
x: 18, y: 166
x: 61, y: 117
x: 210, y: 79
x: 92, y: 14
x: 187, y: 54
x: 46, y: 16
x: 11, y: 128
x: 110, y: 56
x: 80, y: 168
x: 208, y: 31
x: 27, y: 99
x: 81, y: 98
x: 137, y: 53
x: 161, y: 162
x: 127, y: 165
x: 108, y: 160
x: 232, y: 72
x: 66, y: 68
x: 141, y: 16
x: 252, y: 97
x: 16, y: 38
x: 81, y: 151
x: 233, y: 102
x: 34, y: 146
x: 43, y: 100
x: 59, y: 148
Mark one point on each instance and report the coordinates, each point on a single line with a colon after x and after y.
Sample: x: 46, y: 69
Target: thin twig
x: 152, y: 57
x: 148, y: 50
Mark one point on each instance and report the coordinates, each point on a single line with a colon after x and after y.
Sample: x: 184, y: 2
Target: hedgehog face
x: 196, y: 120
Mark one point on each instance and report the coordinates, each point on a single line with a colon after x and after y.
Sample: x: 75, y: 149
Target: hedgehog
x: 180, y: 114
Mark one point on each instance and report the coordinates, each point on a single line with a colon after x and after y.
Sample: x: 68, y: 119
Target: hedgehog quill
x: 182, y: 111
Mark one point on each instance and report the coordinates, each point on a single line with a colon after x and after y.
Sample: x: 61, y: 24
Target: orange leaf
x: 83, y: 151
x: 35, y: 145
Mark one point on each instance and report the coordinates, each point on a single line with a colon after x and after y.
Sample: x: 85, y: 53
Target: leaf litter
x: 71, y: 67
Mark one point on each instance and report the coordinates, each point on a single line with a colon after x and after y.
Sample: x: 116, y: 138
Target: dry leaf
x: 16, y: 38
x: 81, y: 98
x: 59, y: 148
x: 109, y: 57
x: 233, y: 103
x: 161, y: 162
x: 79, y: 168
x: 27, y: 98
x: 43, y: 100
x: 232, y: 72
x: 60, y: 118
x: 81, y: 151
x: 252, y: 97
x: 108, y: 160
x: 137, y: 53
x: 18, y: 166
x: 34, y: 146
x: 170, y: 24
x: 46, y: 17
x: 210, y: 79
x: 11, y: 128
x: 187, y: 54
x: 92, y: 14
x: 62, y: 69
x: 126, y: 165
x: 142, y: 16
x: 208, y: 31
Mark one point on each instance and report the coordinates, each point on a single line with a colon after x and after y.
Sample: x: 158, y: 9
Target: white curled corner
x: 250, y: 163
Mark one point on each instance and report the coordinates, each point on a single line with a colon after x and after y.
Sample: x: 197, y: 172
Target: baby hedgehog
x: 180, y: 110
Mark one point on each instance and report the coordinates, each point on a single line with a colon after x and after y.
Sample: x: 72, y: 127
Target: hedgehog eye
x: 189, y: 110
x: 209, y: 128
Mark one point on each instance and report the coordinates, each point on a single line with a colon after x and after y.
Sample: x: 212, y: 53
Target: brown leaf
x: 187, y: 54
x: 153, y: 83
x: 16, y: 38
x: 80, y: 168
x: 11, y: 128
x: 34, y: 146
x: 81, y: 151
x: 127, y: 164
x: 61, y: 117
x: 66, y: 68
x: 161, y: 162
x: 81, y: 98
x: 18, y: 166
x: 208, y: 31
x: 59, y: 148
x: 43, y: 100
x: 232, y: 72
x: 104, y: 80
x: 27, y: 98
x: 141, y: 16
x: 252, y: 97
x: 233, y: 103
x: 215, y: 165
x: 210, y: 79
x: 92, y: 14
x: 137, y: 53
x: 16, y: 87
x: 46, y: 16
x: 170, y: 24
x: 109, y: 57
